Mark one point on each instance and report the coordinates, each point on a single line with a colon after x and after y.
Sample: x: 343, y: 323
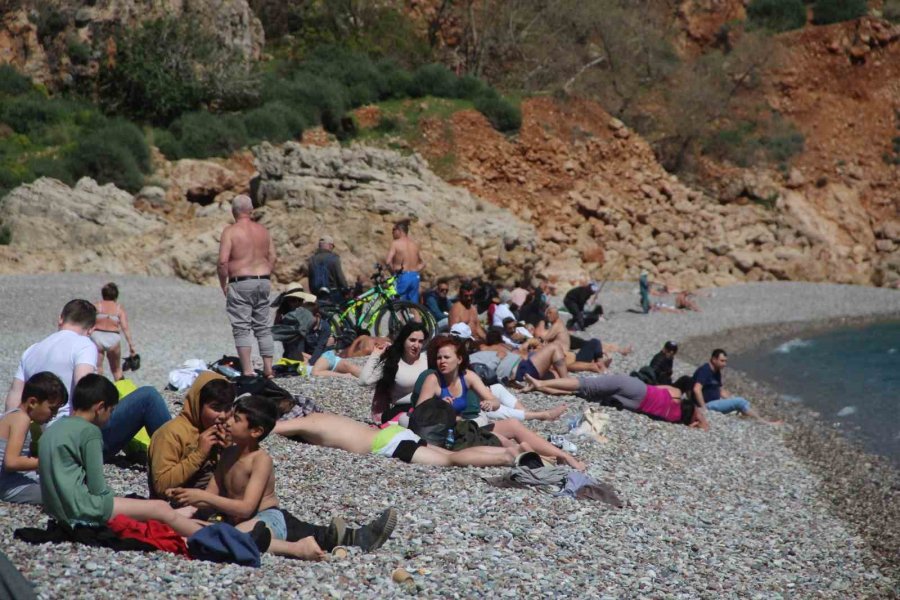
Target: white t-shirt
x: 58, y: 353
x: 502, y: 312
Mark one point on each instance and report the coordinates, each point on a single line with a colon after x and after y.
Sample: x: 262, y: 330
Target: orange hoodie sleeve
x: 174, y: 460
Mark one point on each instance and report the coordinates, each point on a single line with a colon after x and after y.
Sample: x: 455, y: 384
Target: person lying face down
x: 184, y: 451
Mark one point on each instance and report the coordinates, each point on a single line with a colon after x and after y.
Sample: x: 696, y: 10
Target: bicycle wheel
x: 391, y: 317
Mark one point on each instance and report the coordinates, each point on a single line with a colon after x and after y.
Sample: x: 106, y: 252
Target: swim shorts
x: 397, y: 442
x: 526, y: 367
x: 107, y: 340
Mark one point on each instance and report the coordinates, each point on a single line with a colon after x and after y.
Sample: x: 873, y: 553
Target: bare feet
x: 531, y: 384
x: 554, y: 413
x: 626, y: 350
x: 306, y: 549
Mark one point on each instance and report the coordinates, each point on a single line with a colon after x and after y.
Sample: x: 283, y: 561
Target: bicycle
x: 377, y: 312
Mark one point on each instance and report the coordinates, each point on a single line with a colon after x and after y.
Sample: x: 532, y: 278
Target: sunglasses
x: 443, y: 290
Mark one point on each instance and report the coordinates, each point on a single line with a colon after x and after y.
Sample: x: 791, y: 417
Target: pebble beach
x: 741, y: 511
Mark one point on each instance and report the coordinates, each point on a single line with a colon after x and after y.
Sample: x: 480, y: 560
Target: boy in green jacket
x: 70, y: 462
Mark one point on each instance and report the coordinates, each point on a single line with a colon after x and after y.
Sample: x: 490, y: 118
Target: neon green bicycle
x: 377, y: 312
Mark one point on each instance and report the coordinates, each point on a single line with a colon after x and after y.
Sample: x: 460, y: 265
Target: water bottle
x: 228, y: 371
x: 573, y: 420
x: 451, y: 438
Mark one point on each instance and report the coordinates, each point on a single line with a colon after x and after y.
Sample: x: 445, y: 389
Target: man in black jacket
x: 575, y: 301
x: 662, y: 363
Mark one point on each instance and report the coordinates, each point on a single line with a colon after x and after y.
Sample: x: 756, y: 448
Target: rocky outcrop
x: 44, y: 56
x: 353, y: 194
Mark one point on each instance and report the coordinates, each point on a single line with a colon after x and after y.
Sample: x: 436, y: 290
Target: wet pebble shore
x: 734, y: 512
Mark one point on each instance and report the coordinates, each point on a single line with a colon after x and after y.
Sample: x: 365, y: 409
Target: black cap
x: 670, y: 345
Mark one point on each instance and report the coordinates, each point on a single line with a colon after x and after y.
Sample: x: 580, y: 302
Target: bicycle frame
x: 368, y: 304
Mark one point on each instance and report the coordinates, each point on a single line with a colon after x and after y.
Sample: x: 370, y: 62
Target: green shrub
x: 777, y: 15
x: 274, y: 122
x: 131, y: 138
x: 387, y: 124
x: 51, y: 166
x: 469, y: 87
x: 397, y: 81
x: 13, y: 83
x: 32, y: 113
x: 79, y: 53
x: 5, y: 235
x: 502, y: 113
x: 107, y: 161
x: 835, y: 11
x: 48, y: 21
x: 736, y: 144
x: 170, y: 66
x: 201, y: 135
x: 433, y: 80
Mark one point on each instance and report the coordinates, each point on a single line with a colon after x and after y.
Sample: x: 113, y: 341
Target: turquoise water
x: 850, y: 376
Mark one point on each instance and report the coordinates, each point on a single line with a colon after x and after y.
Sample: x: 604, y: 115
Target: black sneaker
x: 337, y: 530
x: 373, y: 535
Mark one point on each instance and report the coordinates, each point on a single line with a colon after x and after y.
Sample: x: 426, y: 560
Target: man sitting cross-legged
x: 243, y: 489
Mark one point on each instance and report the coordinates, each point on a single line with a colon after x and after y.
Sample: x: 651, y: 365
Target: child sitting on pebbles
x: 44, y: 394
x: 243, y: 489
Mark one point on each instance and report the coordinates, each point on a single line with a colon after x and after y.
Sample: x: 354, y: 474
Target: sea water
x: 850, y: 376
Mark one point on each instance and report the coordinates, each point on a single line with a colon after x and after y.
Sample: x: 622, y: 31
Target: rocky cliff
x: 37, y: 36
x: 353, y: 194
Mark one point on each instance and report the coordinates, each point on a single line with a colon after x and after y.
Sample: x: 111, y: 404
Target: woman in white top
x: 112, y: 323
x: 394, y: 369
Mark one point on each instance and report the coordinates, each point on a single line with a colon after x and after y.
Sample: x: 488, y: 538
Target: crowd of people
x: 446, y: 398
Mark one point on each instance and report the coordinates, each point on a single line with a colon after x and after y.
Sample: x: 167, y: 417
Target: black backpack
x: 431, y: 420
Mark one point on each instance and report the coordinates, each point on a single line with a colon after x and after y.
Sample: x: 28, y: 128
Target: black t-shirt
x: 662, y: 365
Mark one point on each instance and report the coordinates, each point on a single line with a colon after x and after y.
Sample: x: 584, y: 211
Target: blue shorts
x: 274, y: 520
x: 526, y: 367
x: 407, y: 284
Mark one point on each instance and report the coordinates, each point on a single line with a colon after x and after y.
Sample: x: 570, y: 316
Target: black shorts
x: 406, y: 449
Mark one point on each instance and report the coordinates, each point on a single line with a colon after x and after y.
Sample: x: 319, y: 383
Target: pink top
x: 659, y: 403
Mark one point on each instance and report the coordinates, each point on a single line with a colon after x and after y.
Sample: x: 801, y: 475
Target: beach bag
x: 469, y: 434
x: 646, y: 374
x: 139, y: 446
x: 227, y: 366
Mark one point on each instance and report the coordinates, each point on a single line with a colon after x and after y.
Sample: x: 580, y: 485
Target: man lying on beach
x: 71, y: 355
x: 243, y: 489
x: 710, y: 394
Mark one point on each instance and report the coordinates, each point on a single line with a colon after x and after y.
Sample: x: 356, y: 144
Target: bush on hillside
x: 202, y: 135
x: 107, y: 161
x: 835, y: 11
x: 13, y: 83
x: 433, y: 80
x: 274, y: 122
x: 171, y: 66
x: 130, y: 138
x: 777, y: 15
x: 33, y: 113
x: 502, y: 113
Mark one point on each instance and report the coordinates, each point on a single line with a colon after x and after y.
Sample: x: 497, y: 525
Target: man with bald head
x: 246, y: 260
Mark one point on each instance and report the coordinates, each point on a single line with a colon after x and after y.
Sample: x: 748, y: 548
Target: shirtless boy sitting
x: 243, y: 489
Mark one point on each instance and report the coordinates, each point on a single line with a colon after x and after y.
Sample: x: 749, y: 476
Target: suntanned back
x: 405, y: 255
x: 249, y: 254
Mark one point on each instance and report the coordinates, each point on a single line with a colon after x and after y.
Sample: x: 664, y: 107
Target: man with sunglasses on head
x: 465, y: 311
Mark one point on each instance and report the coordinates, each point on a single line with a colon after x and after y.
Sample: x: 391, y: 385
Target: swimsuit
x: 332, y: 358
x: 274, y: 520
x: 459, y: 403
x: 107, y: 339
x: 397, y: 442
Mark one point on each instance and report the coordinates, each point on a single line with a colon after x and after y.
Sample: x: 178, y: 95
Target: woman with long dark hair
x: 394, y: 370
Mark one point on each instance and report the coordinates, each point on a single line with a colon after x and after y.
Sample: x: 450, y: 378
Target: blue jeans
x: 407, y: 285
x: 727, y: 405
x: 143, y: 407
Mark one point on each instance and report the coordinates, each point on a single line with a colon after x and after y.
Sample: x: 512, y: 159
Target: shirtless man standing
x: 464, y: 311
x: 404, y: 257
x: 246, y: 260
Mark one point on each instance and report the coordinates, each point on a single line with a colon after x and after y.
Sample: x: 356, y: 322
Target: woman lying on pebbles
x: 394, y: 370
x: 467, y: 394
x: 336, y: 431
x: 666, y: 402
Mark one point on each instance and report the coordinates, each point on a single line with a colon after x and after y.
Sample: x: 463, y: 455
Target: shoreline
x: 861, y: 488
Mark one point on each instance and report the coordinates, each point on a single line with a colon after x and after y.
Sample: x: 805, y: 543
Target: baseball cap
x: 461, y: 330
x: 326, y: 239
x: 670, y: 345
